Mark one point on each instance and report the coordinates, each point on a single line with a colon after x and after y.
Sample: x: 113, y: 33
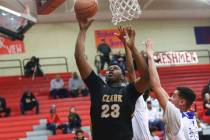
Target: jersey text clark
x: 112, y: 98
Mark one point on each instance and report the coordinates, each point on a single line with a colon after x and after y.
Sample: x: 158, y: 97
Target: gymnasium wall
x: 48, y: 40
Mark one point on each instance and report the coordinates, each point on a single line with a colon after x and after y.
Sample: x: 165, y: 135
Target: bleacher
x: 18, y: 126
x: 195, y: 77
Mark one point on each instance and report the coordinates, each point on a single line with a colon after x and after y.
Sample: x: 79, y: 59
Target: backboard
x: 14, y: 24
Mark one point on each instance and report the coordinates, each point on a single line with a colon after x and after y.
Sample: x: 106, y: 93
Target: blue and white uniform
x: 179, y: 125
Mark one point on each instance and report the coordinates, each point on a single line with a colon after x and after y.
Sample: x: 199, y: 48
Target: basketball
x: 85, y: 8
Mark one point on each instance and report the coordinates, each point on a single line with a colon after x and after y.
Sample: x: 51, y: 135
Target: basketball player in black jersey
x: 112, y: 104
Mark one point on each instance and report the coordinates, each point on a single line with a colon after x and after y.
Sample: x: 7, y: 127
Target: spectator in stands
x: 57, y: 89
x: 156, y: 106
x: 80, y: 135
x: 77, y: 86
x: 154, y: 120
x: 54, y: 122
x: 206, y: 89
x: 3, y: 108
x: 104, y: 51
x: 206, y: 103
x: 28, y: 102
x: 74, y: 120
x: 33, y: 68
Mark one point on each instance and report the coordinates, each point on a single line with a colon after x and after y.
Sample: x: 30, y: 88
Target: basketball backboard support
x: 14, y: 24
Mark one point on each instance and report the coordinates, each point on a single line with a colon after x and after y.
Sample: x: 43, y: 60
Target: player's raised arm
x: 155, y: 84
x: 128, y: 55
x: 143, y: 83
x: 129, y: 65
x: 82, y: 64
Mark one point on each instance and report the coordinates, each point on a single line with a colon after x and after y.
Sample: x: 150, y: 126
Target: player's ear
x: 182, y: 102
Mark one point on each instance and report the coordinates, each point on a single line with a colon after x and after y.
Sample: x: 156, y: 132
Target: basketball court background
x: 170, y: 24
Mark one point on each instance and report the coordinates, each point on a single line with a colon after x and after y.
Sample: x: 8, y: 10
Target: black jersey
x: 111, y: 109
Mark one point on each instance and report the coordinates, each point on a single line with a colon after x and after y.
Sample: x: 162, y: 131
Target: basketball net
x: 123, y: 10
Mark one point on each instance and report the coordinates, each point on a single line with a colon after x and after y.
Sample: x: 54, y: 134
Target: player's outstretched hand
x: 149, y: 47
x: 84, y: 24
x: 121, y: 35
x: 127, y: 36
x: 130, y: 37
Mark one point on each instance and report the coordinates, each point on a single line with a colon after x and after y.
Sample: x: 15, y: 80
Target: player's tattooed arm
x: 82, y: 64
x: 155, y: 84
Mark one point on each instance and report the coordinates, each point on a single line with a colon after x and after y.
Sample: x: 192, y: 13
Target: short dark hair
x: 187, y: 94
x: 149, y: 102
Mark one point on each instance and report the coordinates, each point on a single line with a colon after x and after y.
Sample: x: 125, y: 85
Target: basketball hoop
x: 123, y: 10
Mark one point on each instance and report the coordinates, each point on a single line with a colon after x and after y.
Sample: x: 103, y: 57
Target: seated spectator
x: 77, y: 86
x: 28, y: 102
x: 3, y: 108
x: 54, y: 122
x: 154, y: 119
x: 206, y: 103
x: 206, y: 89
x: 156, y: 106
x: 80, y: 135
x: 33, y: 67
x: 57, y: 89
x: 74, y: 120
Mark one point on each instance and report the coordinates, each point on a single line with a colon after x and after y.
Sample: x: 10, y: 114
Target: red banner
x: 109, y: 37
x: 8, y: 46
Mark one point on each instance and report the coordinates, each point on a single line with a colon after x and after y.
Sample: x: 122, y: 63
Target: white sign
x: 176, y: 58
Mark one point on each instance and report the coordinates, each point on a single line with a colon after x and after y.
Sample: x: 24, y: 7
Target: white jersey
x: 140, y: 121
x: 179, y: 125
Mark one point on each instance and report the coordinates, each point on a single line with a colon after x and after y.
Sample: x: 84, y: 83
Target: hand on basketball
x: 84, y: 24
x: 149, y: 47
